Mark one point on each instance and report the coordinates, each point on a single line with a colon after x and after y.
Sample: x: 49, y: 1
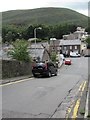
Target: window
x: 70, y: 47
x: 75, y: 47
x: 60, y: 48
x: 64, y: 48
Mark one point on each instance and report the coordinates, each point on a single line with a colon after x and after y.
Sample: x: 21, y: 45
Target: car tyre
x: 49, y: 74
x: 56, y: 73
x: 34, y: 75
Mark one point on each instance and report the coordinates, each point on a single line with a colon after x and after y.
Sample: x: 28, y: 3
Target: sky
x: 80, y: 6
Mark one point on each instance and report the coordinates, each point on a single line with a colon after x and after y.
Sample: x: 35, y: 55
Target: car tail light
x: 33, y: 66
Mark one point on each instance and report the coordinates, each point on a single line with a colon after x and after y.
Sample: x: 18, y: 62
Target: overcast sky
x: 77, y: 5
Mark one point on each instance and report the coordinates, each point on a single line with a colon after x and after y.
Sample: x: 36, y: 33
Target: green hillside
x: 48, y: 16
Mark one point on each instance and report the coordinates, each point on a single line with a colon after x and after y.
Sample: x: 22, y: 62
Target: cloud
x: 75, y: 4
x: 78, y: 5
x: 20, y: 4
x: 85, y: 12
x: 30, y: 4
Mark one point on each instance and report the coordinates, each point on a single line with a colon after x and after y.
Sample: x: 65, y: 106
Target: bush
x: 20, y: 51
x: 88, y: 40
x: 53, y: 56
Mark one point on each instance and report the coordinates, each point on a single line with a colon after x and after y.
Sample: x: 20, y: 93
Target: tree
x: 13, y: 32
x: 88, y: 29
x: 53, y: 56
x: 88, y: 40
x: 20, y: 51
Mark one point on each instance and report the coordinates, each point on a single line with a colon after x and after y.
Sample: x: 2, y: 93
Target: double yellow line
x: 76, y: 107
x: 81, y: 89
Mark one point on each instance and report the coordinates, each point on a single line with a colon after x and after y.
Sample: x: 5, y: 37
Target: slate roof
x: 70, y: 42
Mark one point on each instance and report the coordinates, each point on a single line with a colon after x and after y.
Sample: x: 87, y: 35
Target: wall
x: 15, y: 68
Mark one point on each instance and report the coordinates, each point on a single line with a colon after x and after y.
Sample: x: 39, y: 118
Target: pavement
x: 8, y: 80
x: 84, y: 100
x: 75, y: 105
x: 87, y: 105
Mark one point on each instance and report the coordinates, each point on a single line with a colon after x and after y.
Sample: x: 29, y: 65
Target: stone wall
x: 15, y: 69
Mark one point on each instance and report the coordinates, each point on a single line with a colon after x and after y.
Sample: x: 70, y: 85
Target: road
x: 41, y: 97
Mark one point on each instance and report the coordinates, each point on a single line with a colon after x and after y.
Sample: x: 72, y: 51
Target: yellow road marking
x: 84, y: 86
x: 81, y: 86
x: 19, y: 81
x: 68, y: 111
x: 76, y: 109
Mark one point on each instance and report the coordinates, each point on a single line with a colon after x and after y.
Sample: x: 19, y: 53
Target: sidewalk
x: 84, y: 106
x: 8, y: 80
x: 87, y: 107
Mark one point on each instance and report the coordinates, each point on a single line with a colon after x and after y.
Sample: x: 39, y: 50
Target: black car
x: 86, y: 55
x: 44, y: 69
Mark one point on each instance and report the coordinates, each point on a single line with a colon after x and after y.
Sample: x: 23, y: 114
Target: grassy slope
x: 49, y: 16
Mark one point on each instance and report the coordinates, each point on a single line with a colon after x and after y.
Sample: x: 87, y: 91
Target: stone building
x: 70, y: 45
x: 78, y: 34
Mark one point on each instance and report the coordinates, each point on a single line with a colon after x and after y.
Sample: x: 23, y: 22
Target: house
x: 78, y: 34
x: 54, y: 45
x: 65, y: 45
x: 46, y: 56
x: 70, y: 45
x: 39, y: 51
x: 29, y: 41
x: 70, y: 36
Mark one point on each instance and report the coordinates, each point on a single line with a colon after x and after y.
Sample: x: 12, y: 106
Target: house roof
x: 39, y: 52
x: 70, y: 42
x: 56, y: 42
x: 39, y: 49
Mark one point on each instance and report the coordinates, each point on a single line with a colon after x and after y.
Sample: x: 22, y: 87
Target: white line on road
x: 19, y: 81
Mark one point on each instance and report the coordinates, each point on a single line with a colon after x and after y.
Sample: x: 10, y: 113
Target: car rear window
x: 40, y: 64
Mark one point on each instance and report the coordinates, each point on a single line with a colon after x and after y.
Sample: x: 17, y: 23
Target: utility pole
x: 35, y: 36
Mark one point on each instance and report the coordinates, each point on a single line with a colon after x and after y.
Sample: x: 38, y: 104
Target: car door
x: 52, y: 68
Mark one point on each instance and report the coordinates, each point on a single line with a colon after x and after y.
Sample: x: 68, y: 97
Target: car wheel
x: 34, y: 75
x: 56, y: 73
x: 49, y: 74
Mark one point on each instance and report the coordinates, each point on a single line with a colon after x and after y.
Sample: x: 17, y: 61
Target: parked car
x: 67, y: 62
x: 62, y: 57
x: 44, y: 69
x: 86, y: 55
x: 74, y: 54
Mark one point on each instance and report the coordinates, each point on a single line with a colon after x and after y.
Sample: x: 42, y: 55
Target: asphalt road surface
x: 43, y: 97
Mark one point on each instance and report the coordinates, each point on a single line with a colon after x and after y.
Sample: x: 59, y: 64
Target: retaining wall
x: 13, y: 68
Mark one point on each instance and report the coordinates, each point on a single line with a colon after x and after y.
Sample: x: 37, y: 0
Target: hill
x: 48, y: 16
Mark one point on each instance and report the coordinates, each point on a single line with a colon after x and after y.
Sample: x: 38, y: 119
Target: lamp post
x: 35, y: 36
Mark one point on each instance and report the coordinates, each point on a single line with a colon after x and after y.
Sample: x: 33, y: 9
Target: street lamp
x: 36, y: 37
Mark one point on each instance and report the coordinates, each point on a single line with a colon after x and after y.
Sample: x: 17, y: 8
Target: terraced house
x: 70, y: 45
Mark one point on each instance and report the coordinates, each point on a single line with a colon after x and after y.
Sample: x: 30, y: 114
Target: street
x: 42, y: 97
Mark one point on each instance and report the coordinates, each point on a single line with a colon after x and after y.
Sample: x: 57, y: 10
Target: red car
x: 67, y: 62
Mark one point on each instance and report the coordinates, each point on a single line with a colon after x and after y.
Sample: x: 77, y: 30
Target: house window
x: 75, y: 47
x: 70, y: 47
x: 64, y: 48
x: 60, y: 48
